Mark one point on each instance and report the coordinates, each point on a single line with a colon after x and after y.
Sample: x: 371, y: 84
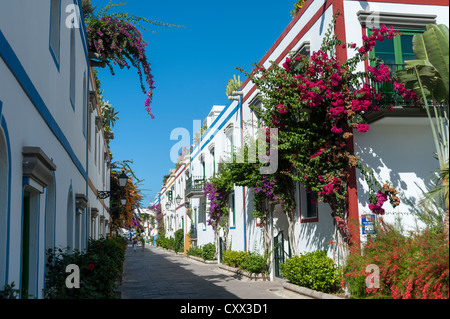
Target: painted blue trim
x: 217, y: 129
x: 56, y: 59
x: 4, y: 127
x: 13, y: 63
x: 213, y: 123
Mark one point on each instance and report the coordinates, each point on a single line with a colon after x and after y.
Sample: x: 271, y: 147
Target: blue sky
x: 191, y: 68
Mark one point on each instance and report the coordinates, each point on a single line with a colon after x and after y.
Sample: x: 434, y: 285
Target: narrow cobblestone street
x: 159, y: 274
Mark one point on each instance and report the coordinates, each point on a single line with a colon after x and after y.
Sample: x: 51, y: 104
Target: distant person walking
x: 134, y: 244
x: 143, y: 242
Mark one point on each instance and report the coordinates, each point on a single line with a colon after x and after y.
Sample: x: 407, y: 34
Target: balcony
x: 195, y: 186
x: 401, y: 108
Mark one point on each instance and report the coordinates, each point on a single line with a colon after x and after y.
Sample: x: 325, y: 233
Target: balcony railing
x: 195, y: 186
x: 391, y: 97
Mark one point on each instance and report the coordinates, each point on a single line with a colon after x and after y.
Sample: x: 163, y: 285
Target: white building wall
x: 35, y: 111
x: 399, y: 150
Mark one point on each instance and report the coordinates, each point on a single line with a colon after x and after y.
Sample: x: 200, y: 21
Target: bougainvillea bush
x: 100, y: 266
x: 412, y: 266
x: 315, y: 103
x: 120, y: 43
x: 117, y: 40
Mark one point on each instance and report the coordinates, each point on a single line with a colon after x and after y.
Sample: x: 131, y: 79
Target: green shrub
x: 195, y: 251
x: 209, y: 251
x: 254, y: 263
x: 312, y: 270
x: 411, y: 266
x: 179, y: 240
x: 234, y: 258
x: 99, y: 266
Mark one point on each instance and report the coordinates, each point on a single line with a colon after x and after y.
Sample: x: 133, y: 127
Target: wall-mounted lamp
x: 123, y: 179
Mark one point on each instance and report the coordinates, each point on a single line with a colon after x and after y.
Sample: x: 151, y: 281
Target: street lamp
x: 123, y: 179
x: 123, y: 201
x: 178, y: 199
x: 167, y: 205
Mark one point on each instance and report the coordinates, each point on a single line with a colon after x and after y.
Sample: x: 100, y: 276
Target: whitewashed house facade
x: 52, y: 153
x: 399, y: 146
x: 172, y: 200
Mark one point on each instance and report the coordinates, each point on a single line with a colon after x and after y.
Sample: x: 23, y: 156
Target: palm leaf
x: 436, y: 42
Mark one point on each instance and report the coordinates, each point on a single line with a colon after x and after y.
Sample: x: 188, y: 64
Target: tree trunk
x: 291, y: 232
x: 226, y: 230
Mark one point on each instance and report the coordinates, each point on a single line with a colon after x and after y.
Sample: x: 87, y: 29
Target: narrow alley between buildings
x: 156, y: 273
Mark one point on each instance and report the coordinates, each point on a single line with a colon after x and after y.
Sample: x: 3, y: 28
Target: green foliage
x: 314, y: 270
x: 9, y: 292
x: 234, y: 258
x: 412, y: 266
x: 297, y: 6
x: 251, y: 262
x: 254, y: 263
x: 179, y: 241
x: 206, y: 252
x: 99, y: 266
x: 233, y: 85
x: 165, y: 242
x: 195, y: 251
x: 209, y: 251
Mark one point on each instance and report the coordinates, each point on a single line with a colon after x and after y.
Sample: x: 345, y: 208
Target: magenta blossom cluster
x: 155, y: 208
x: 377, y: 207
x: 377, y: 35
x: 216, y: 201
x: 331, y: 187
x: 121, y: 43
x: 408, y: 95
x: 266, y: 187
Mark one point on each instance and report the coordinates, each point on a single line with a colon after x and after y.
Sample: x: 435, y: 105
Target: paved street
x: 159, y: 274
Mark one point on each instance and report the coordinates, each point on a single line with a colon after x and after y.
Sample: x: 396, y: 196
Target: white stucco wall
x: 398, y: 150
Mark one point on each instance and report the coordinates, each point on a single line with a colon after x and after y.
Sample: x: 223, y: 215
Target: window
x: 232, y: 211
x: 203, y: 169
x: 394, y: 52
x: 213, y: 162
x: 85, y: 111
x: 304, y: 50
x: 70, y: 221
x: 309, y: 210
x: 311, y: 205
x: 55, y: 21
x: 30, y: 242
x: 72, y: 67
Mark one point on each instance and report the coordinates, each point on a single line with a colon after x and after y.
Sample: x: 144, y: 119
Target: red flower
x: 91, y: 266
